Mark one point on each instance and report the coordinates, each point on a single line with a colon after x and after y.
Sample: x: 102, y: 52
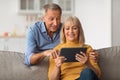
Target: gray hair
x: 52, y: 6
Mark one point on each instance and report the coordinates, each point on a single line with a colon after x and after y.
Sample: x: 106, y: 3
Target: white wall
x: 9, y: 18
x: 95, y: 16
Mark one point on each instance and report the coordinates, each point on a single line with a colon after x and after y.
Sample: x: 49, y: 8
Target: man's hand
x: 55, y: 54
x: 94, y: 55
x: 50, y: 52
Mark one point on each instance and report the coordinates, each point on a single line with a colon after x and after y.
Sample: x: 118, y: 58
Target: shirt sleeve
x: 30, y: 45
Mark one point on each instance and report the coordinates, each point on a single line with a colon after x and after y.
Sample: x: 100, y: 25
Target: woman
x: 72, y: 35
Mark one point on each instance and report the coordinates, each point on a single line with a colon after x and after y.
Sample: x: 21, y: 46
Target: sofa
x: 13, y: 68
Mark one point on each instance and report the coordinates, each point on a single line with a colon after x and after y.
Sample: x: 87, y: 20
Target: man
x: 44, y: 35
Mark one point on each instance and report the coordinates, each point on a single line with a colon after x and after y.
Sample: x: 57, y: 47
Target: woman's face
x: 71, y: 32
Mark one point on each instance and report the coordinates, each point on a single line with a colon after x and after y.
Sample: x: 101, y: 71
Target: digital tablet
x: 70, y: 53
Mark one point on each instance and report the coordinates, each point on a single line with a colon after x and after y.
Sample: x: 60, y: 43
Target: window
x: 35, y: 6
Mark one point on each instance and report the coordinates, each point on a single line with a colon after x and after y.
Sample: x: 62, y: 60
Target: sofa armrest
x: 109, y: 61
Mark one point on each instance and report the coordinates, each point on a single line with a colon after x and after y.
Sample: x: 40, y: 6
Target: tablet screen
x: 70, y: 53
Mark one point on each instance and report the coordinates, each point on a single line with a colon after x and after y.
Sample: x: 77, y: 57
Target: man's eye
x: 51, y: 19
x: 58, y: 19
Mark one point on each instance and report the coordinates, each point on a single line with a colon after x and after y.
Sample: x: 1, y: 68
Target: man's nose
x: 55, y: 22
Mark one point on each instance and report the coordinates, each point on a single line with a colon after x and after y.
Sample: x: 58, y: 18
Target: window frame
x: 38, y: 10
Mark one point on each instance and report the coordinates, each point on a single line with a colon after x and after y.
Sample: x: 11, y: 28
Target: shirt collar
x: 43, y: 27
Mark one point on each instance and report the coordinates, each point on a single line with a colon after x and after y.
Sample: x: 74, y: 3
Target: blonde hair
x: 73, y: 20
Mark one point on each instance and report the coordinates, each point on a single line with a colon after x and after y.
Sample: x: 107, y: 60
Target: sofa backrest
x: 13, y: 68
x: 109, y: 61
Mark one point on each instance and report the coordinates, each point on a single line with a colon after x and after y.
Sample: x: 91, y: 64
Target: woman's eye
x: 75, y: 28
x: 67, y: 28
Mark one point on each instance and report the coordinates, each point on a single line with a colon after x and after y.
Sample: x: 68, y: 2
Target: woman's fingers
x: 59, y: 60
x: 82, y: 57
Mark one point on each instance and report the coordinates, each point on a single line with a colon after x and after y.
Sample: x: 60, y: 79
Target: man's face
x: 52, y: 20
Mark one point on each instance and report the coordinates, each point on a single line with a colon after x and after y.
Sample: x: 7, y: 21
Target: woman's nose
x: 71, y: 30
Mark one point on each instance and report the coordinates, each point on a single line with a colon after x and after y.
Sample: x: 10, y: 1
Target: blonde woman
x: 72, y: 35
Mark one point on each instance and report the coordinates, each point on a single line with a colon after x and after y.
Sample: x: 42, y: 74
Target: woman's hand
x: 55, y: 74
x: 82, y: 57
x: 59, y: 60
